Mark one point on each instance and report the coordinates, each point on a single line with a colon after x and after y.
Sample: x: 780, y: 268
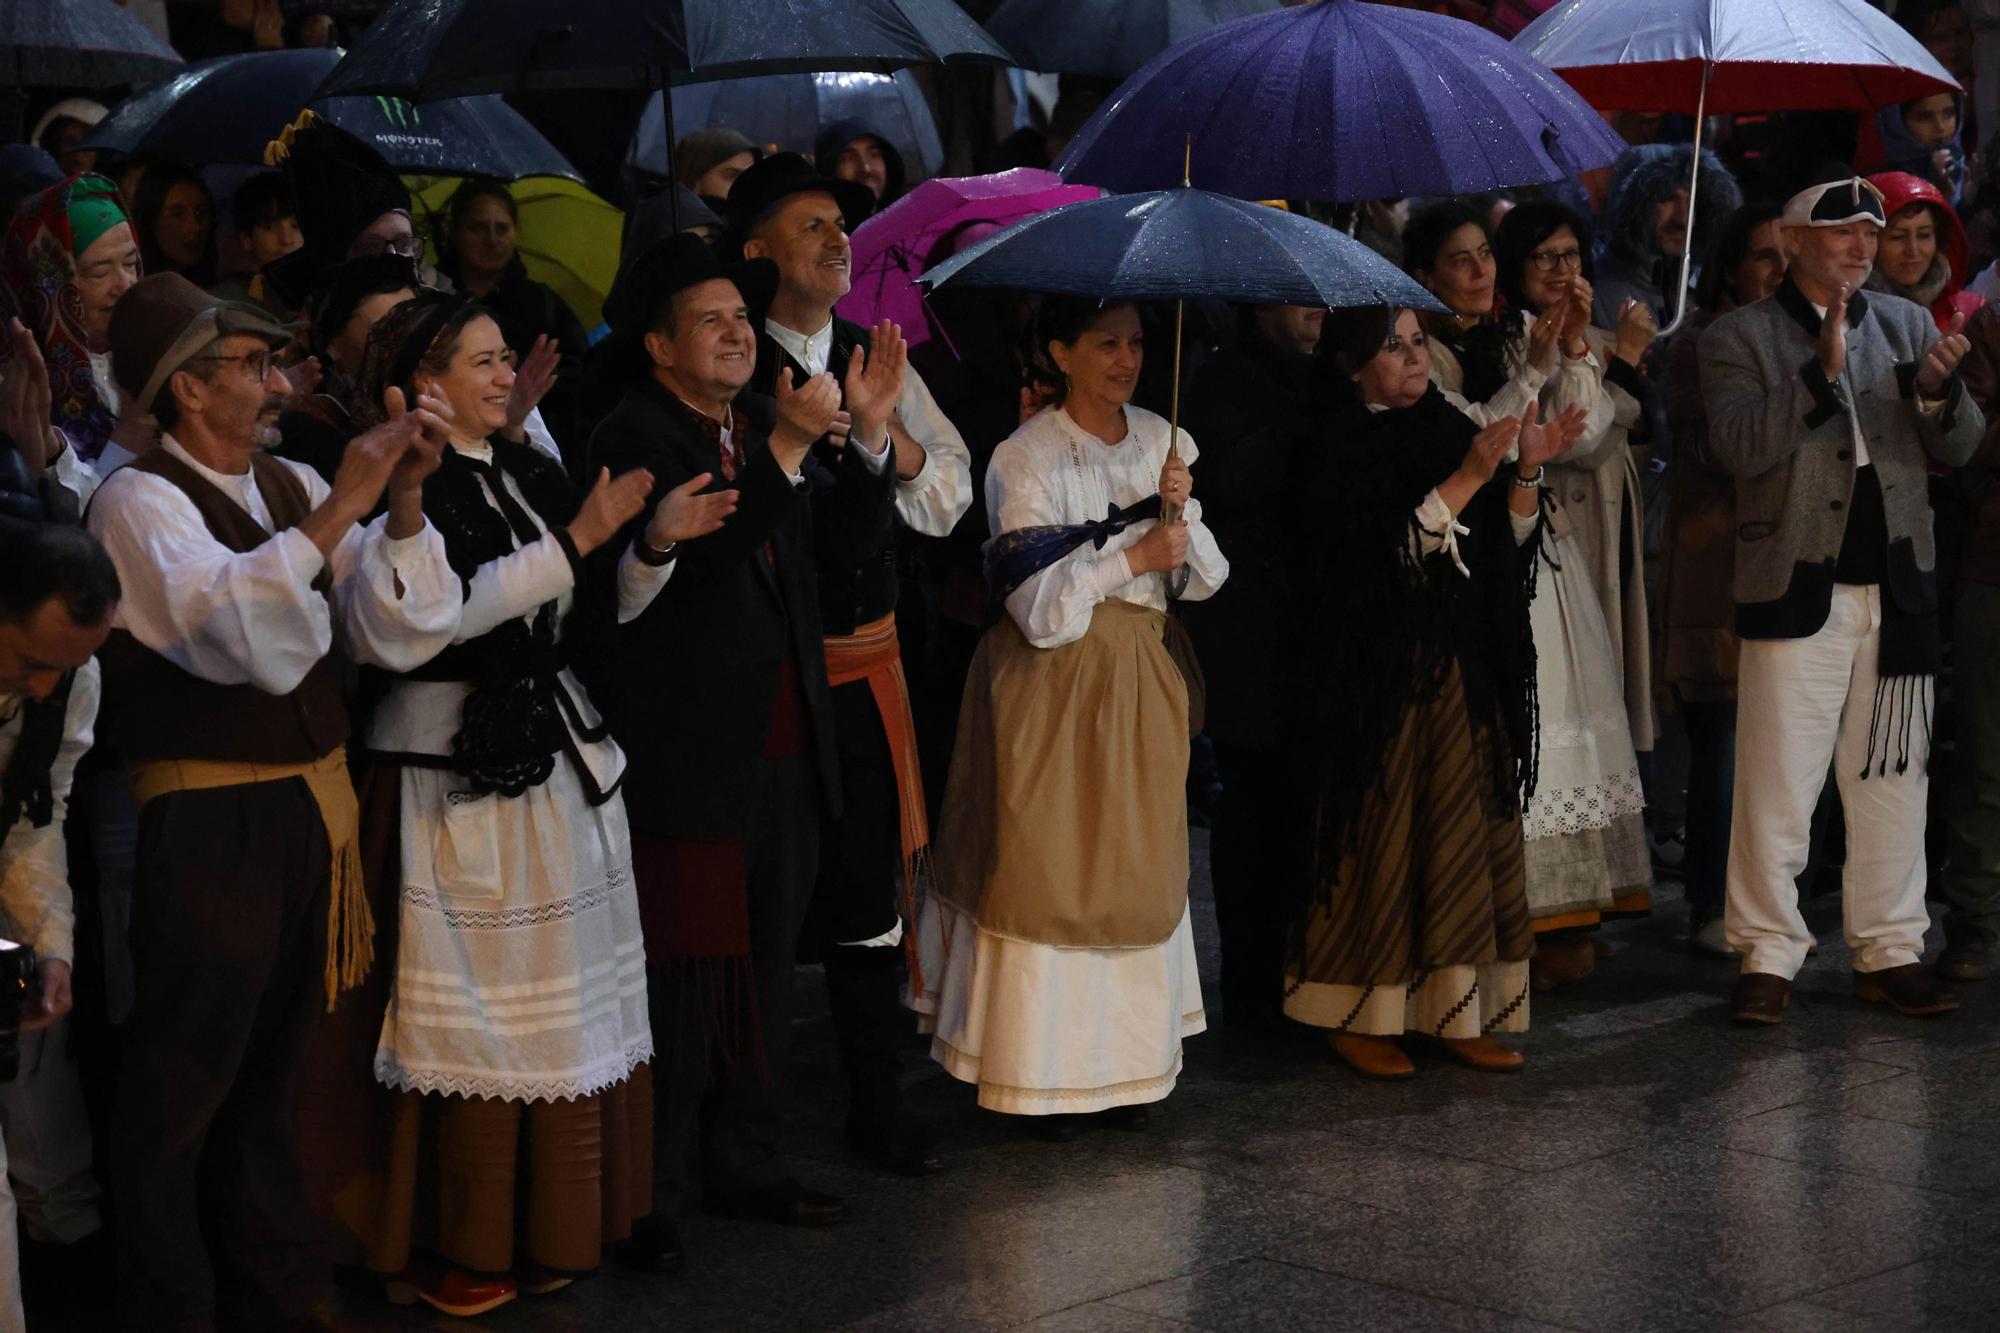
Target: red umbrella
x: 1705, y: 57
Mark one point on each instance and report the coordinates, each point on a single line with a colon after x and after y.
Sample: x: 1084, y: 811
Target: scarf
x: 38, y: 285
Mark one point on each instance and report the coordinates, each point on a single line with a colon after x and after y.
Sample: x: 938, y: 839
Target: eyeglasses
x: 258, y: 363
x: 409, y: 247
x: 1549, y: 261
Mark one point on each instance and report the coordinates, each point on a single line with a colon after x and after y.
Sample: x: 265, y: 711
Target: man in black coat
x: 718, y: 693
x: 782, y: 209
x: 1248, y: 407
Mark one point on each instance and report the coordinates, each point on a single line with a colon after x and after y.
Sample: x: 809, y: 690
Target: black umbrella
x: 424, y: 49
x: 73, y: 44
x: 1107, y: 39
x: 227, y: 109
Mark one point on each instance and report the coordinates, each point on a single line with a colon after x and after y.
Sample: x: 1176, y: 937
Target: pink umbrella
x: 897, y: 244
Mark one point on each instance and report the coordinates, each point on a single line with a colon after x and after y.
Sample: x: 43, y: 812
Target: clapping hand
x: 611, y: 504
x: 1482, y: 460
x: 1546, y: 441
x: 429, y: 429
x: 26, y: 403
x: 804, y: 414
x: 533, y: 379
x: 1636, y: 330
x: 684, y: 513
x: 1941, y: 362
x: 875, y: 382
x: 1833, y: 336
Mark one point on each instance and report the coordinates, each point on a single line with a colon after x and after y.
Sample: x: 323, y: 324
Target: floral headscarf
x: 38, y: 285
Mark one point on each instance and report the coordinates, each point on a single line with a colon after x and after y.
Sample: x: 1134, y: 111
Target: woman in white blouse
x: 1058, y: 968
x: 517, y: 1012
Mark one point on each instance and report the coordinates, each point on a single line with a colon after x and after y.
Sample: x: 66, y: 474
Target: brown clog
x: 1485, y: 1053
x: 1760, y: 997
x: 1373, y: 1057
x: 1910, y: 990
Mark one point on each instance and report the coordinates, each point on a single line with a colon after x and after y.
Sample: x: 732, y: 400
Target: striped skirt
x: 1428, y: 929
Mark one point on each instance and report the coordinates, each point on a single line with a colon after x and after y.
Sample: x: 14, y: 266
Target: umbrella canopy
x: 568, y: 238
x: 1760, y: 55
x: 78, y: 43
x: 425, y: 49
x: 1341, y: 100
x: 789, y: 109
x: 227, y: 109
x: 1184, y: 244
x: 891, y: 248
x: 1107, y: 39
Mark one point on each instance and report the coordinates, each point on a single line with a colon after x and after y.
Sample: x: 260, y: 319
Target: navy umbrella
x: 77, y: 44
x: 1341, y: 100
x: 1107, y: 39
x: 227, y: 109
x: 1182, y: 245
x: 790, y: 109
x: 423, y: 49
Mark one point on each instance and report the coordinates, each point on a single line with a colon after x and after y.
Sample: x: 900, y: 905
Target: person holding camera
x: 55, y: 610
x: 250, y: 583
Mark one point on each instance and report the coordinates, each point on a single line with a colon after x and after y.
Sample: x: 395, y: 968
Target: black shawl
x: 1380, y: 627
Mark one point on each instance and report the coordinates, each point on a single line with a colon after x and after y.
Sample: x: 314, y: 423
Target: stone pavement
x: 1651, y: 1169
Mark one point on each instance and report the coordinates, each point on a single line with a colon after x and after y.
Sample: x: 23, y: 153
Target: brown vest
x: 154, y: 709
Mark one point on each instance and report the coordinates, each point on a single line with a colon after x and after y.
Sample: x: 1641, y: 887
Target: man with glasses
x: 350, y: 206
x: 249, y: 583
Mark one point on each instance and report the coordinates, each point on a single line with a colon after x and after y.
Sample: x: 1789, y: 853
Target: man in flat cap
x: 1825, y: 404
x: 248, y: 583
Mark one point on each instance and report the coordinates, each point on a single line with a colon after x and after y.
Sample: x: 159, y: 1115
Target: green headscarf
x: 94, y: 208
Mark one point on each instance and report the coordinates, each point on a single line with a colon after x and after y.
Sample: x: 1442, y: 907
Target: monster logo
x: 398, y: 112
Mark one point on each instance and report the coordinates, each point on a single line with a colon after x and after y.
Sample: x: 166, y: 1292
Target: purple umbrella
x: 894, y: 246
x: 1341, y: 100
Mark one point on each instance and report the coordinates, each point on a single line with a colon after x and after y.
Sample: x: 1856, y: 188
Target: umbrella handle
x: 1694, y: 184
x: 1177, y: 581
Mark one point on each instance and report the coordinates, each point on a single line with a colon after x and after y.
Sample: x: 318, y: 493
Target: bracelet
x: 1528, y: 483
x: 655, y: 556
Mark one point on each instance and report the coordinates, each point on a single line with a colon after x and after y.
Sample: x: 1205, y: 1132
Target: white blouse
x: 1573, y: 383
x: 1053, y: 472
x: 252, y: 618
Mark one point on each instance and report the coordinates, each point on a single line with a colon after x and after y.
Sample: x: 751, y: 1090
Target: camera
x: 19, y: 987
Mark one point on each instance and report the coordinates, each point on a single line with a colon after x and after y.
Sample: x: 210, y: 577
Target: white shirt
x: 1053, y: 472
x: 252, y: 618
x: 35, y: 904
x: 935, y: 499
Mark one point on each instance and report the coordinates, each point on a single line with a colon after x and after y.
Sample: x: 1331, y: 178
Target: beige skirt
x: 1065, y: 819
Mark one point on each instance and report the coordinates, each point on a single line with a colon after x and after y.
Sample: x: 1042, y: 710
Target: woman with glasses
x: 1586, y: 841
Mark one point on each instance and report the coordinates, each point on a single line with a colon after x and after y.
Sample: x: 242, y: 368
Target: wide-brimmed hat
x: 673, y: 265
x: 780, y: 176
x: 1835, y: 200
x: 158, y: 326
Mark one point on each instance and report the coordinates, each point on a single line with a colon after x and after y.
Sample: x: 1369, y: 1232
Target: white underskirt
x: 1042, y: 1030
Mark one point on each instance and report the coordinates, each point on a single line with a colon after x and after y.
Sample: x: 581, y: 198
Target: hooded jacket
x: 1630, y: 264
x: 1942, y: 288
x: 1902, y: 152
x: 826, y: 156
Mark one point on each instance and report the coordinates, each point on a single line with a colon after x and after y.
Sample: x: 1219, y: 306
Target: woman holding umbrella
x: 1058, y: 968
x: 1414, y: 918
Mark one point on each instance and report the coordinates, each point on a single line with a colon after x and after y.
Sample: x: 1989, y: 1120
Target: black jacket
x: 1248, y: 408
x: 688, y: 685
x: 855, y: 520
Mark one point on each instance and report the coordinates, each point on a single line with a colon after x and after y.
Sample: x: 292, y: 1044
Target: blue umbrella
x: 1184, y: 245
x: 1106, y: 39
x: 789, y: 110
x: 227, y: 109
x: 77, y: 43
x: 1341, y: 100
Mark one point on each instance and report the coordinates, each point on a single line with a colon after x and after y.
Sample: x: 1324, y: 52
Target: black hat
x: 651, y: 279
x: 779, y: 177
x: 341, y: 185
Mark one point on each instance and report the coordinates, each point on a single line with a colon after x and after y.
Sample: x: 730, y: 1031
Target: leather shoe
x: 1485, y: 1053
x: 1373, y: 1057
x: 653, y: 1247
x: 1559, y: 960
x: 535, y: 1280
x: 1057, y: 1128
x: 1909, y: 990
x: 902, y: 1146
x: 790, y: 1205
x: 1760, y: 997
x: 450, y: 1289
x: 1137, y: 1117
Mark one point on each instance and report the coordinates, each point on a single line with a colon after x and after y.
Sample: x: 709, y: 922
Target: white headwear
x: 1835, y: 203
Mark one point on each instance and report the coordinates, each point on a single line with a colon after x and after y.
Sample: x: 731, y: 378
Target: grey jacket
x: 1782, y: 430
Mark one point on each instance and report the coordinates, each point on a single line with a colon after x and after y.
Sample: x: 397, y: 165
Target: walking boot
x: 1909, y: 990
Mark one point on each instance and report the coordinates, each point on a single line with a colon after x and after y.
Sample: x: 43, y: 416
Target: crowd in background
x: 435, y: 730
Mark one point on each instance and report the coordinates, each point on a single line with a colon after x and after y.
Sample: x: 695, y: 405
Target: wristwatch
x: 654, y: 555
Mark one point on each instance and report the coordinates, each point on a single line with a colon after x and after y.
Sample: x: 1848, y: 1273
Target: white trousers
x: 1802, y: 703
x: 47, y: 1128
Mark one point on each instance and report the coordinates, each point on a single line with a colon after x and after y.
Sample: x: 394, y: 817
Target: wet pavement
x: 1651, y: 1169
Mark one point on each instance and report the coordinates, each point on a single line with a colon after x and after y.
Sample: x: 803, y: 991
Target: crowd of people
x: 434, y: 732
